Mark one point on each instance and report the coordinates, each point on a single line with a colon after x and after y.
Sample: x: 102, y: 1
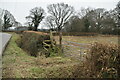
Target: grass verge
x: 17, y: 64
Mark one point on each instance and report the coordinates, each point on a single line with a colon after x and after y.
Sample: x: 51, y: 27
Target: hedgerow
x: 103, y: 61
x: 32, y: 42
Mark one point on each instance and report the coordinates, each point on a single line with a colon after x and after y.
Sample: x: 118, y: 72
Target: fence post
x: 51, y: 37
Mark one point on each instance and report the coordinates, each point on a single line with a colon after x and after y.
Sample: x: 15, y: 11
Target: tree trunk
x: 60, y: 39
x: 35, y: 28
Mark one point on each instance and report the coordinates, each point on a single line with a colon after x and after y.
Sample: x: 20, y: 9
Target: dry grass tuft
x: 103, y: 61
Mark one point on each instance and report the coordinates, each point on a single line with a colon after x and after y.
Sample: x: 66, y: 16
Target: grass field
x: 91, y: 39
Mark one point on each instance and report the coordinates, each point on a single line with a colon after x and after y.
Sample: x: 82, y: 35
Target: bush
x: 103, y: 61
x: 31, y: 41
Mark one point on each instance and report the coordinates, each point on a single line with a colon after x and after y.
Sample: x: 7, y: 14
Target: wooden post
x: 51, y: 37
x: 60, y: 39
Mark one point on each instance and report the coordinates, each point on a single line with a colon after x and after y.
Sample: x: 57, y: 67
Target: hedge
x: 76, y: 34
x: 31, y: 41
x: 103, y: 60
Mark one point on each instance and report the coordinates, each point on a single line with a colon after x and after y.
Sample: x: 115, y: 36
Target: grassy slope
x: 17, y: 64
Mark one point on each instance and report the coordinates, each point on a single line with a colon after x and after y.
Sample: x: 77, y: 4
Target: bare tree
x: 118, y: 16
x: 50, y: 23
x: 1, y: 13
x: 61, y: 13
x: 84, y: 11
x: 118, y: 13
x: 36, y: 16
x: 75, y: 24
x: 95, y: 17
x: 86, y: 15
x: 29, y: 25
x: 118, y: 9
x: 17, y: 24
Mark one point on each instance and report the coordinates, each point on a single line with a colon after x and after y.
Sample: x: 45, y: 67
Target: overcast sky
x: 20, y: 8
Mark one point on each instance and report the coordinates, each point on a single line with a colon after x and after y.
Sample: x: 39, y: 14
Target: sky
x: 20, y: 8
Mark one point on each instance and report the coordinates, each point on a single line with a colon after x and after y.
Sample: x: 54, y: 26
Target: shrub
x: 31, y: 41
x: 103, y: 61
x: 55, y: 51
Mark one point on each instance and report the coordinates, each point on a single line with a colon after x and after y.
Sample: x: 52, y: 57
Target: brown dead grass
x: 90, y: 39
x: 103, y: 60
x: 41, y: 33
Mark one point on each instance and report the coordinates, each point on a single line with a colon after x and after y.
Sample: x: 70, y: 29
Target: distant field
x: 90, y: 39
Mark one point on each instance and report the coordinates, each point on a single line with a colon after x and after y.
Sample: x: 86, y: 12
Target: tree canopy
x: 61, y: 13
x: 36, y: 16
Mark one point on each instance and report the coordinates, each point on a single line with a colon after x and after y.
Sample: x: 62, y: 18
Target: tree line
x: 94, y: 20
x: 62, y: 17
x: 7, y: 20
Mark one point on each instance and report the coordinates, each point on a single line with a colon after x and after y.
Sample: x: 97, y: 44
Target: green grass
x: 17, y: 64
x: 14, y: 57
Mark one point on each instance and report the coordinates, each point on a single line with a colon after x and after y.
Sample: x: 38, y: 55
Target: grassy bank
x: 17, y: 64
